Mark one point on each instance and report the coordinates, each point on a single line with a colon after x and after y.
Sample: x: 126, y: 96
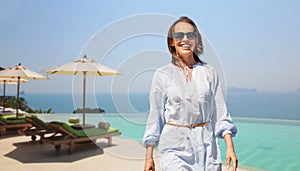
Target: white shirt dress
x: 175, y: 100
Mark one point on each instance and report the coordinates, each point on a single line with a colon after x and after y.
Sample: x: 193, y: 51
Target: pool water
x: 267, y: 144
x: 260, y: 143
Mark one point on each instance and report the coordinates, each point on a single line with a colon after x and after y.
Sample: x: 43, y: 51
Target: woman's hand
x: 149, y: 164
x: 230, y: 156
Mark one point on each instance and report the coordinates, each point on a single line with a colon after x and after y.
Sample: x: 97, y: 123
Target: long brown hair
x: 199, y: 46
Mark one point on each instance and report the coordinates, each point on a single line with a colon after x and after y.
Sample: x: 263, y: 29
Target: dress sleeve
x: 155, y: 120
x: 221, y: 118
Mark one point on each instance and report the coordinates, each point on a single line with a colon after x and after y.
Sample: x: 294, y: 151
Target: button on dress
x: 177, y: 100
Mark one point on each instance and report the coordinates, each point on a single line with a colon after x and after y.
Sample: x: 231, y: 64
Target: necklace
x: 182, y: 65
x: 187, y: 70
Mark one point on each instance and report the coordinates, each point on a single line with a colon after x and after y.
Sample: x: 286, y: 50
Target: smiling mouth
x: 186, y: 46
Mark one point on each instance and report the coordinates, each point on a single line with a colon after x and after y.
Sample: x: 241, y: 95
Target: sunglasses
x: 180, y: 35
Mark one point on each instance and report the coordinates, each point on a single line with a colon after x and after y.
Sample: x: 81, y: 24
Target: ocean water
x: 252, y: 105
x: 264, y: 105
x: 268, y: 123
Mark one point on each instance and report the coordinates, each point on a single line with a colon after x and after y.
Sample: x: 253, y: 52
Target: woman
x: 187, y: 109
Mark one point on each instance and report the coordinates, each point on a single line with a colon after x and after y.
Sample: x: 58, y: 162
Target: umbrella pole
x: 4, y: 100
x: 83, y: 110
x: 17, y: 104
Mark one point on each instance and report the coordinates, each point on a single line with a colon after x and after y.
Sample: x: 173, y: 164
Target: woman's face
x: 184, y: 39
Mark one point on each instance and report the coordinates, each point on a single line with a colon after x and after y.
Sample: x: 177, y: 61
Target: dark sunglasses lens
x: 191, y: 35
x: 178, y: 35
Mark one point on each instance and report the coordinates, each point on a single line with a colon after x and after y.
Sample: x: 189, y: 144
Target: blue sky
x: 257, y: 41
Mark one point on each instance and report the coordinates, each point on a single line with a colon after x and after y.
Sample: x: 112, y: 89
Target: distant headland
x: 90, y: 110
x: 241, y: 90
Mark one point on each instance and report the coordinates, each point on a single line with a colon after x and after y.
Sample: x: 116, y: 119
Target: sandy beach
x: 18, y: 153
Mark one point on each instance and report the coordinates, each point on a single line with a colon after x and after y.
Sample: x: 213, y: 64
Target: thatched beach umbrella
x: 20, y: 72
x: 84, y: 67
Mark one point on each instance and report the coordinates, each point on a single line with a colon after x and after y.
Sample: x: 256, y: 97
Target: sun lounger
x: 11, y: 111
x: 10, y: 122
x: 6, y: 112
x: 37, y: 128
x: 70, y: 136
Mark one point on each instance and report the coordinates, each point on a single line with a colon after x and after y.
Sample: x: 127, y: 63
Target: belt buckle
x: 191, y: 126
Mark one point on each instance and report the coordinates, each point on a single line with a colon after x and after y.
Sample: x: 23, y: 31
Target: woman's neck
x: 184, y: 61
x: 190, y: 63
